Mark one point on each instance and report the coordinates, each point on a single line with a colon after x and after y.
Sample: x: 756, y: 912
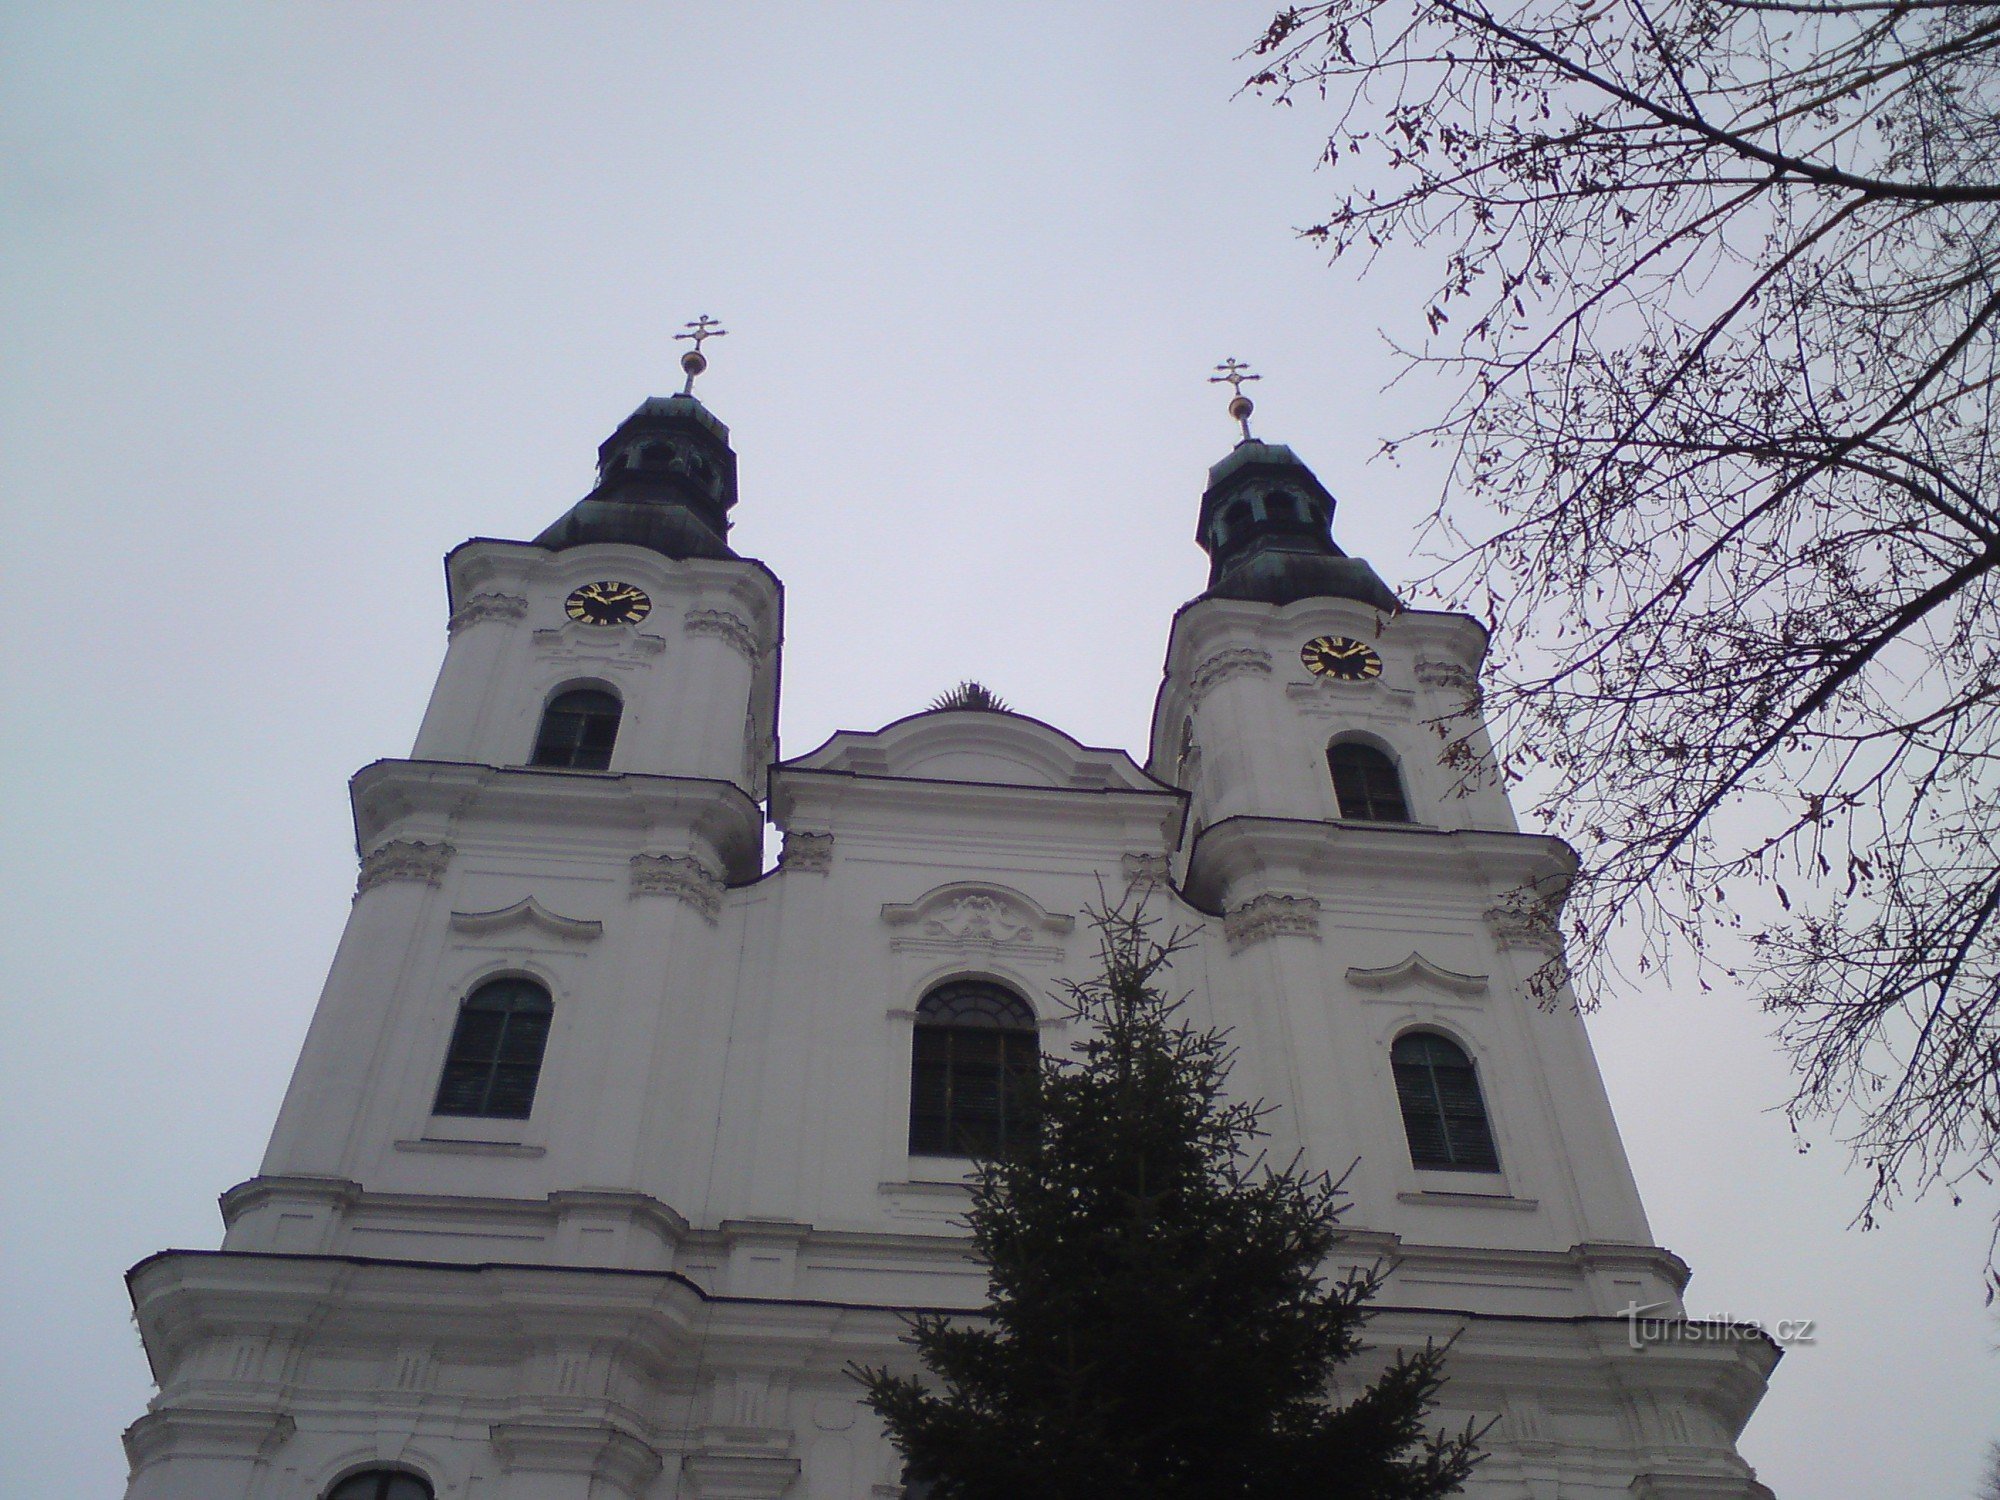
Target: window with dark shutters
x: 578, y: 730
x: 381, y: 1484
x: 1366, y: 784
x: 496, y: 1050
x: 1443, y: 1114
x: 970, y: 1057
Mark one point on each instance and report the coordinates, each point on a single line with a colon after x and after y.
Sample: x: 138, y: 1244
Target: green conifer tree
x: 1158, y: 1324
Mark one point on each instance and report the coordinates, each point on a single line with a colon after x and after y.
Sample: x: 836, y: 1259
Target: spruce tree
x: 1159, y: 1325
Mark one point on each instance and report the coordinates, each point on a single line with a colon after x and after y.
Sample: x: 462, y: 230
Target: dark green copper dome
x: 1267, y: 526
x: 666, y: 479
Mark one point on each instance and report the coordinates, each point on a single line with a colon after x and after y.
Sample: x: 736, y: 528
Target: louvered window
x: 1366, y: 784
x: 1443, y: 1114
x: 496, y: 1051
x: 972, y: 1056
x: 381, y: 1484
x: 578, y: 730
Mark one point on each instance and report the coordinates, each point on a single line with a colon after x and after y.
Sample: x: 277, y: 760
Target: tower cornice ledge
x: 1237, y: 853
x: 435, y: 799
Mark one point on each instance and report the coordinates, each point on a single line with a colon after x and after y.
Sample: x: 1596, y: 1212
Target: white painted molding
x: 527, y: 913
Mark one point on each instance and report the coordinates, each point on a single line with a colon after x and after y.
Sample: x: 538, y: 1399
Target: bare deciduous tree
x: 1717, y: 293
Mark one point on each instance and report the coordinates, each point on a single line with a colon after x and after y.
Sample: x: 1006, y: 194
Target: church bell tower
x: 610, y: 1149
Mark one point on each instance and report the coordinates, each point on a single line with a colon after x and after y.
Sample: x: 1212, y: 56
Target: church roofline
x: 876, y: 753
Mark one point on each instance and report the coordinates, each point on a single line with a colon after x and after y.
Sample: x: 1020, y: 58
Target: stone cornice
x: 1296, y: 854
x: 827, y: 798
x: 430, y: 801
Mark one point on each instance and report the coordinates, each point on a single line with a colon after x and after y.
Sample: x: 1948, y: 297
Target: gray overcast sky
x: 300, y: 296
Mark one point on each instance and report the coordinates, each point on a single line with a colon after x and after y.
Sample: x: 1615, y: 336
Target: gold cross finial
x: 694, y: 361
x: 1233, y: 373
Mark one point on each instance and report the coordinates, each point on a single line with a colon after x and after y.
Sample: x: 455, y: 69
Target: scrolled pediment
x: 528, y: 913
x: 1418, y: 972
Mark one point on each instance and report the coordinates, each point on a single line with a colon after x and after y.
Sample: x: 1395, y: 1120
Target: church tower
x: 610, y: 1149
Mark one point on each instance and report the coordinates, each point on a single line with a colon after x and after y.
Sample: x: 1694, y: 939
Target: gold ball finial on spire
x: 1233, y: 373
x: 694, y: 361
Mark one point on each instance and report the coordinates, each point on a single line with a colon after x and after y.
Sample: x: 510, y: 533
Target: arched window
x: 1281, y: 505
x: 971, y: 1057
x: 381, y: 1484
x: 578, y: 730
x: 1366, y: 783
x: 1443, y: 1114
x: 496, y: 1051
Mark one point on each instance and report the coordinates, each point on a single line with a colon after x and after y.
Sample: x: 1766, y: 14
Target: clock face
x: 608, y: 604
x: 1339, y: 657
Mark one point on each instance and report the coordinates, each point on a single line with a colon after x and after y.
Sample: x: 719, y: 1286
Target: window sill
x: 476, y: 1148
x: 1441, y: 1198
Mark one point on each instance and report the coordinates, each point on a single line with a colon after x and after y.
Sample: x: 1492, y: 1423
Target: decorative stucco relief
x: 965, y: 916
x: 807, y: 853
x: 1269, y: 916
x: 680, y: 876
x: 486, y: 607
x: 1227, y: 664
x: 1523, y: 919
x: 403, y: 859
x: 730, y: 627
x: 1447, y: 674
x: 1145, y: 871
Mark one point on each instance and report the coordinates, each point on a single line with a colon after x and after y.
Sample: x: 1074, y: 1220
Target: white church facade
x: 610, y: 1149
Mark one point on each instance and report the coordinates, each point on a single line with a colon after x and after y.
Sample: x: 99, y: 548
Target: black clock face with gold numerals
x: 1341, y: 658
x: 608, y: 603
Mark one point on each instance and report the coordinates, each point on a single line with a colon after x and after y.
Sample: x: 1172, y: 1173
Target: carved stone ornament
x: 486, y: 607
x: 680, y: 876
x: 1447, y: 674
x: 403, y: 859
x: 807, y: 853
x: 1147, y: 870
x: 1270, y: 916
x: 1227, y: 664
x: 720, y: 622
x: 1525, y: 920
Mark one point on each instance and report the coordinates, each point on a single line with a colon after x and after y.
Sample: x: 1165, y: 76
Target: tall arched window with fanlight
x: 1366, y: 783
x: 971, y: 1058
x: 579, y: 728
x: 495, y: 1058
x: 1444, y: 1115
x: 382, y: 1484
